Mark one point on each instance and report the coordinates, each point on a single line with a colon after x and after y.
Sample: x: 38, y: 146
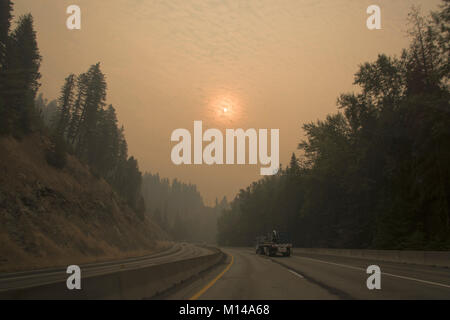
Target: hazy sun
x: 224, y: 109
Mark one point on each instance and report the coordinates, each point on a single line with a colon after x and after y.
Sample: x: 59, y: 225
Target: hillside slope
x: 51, y: 217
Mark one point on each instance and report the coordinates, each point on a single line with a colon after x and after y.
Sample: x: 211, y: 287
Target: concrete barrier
x: 128, y: 284
x: 430, y: 258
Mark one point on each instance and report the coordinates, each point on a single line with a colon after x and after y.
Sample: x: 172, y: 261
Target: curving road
x: 248, y: 276
x: 178, y: 251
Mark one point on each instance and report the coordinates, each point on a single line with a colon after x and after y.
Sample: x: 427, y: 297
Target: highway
x: 245, y: 275
x: 176, y: 252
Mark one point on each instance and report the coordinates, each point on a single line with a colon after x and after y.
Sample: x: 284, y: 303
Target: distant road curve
x: 28, y: 279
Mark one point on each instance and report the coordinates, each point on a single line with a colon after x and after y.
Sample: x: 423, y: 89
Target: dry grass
x: 51, y: 217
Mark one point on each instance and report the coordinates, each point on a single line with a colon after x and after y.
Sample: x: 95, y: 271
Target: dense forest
x: 376, y: 174
x: 83, y: 124
x: 79, y: 122
x: 179, y: 209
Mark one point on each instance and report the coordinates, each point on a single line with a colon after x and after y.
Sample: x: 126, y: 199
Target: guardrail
x: 430, y: 258
x: 141, y: 283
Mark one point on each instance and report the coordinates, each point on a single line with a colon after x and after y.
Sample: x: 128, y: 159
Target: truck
x: 274, y: 243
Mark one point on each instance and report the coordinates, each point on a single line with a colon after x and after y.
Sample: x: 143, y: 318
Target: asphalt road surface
x: 245, y: 275
x: 19, y: 280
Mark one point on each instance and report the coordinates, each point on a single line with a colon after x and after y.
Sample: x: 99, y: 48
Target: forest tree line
x: 376, y: 174
x: 79, y: 122
x: 84, y: 125
x: 179, y: 209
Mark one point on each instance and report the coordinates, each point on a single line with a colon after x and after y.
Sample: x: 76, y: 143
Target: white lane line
x: 383, y: 273
x: 418, y: 280
x: 332, y: 263
x: 296, y: 274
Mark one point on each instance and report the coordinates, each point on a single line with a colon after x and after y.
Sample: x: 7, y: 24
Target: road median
x: 143, y: 283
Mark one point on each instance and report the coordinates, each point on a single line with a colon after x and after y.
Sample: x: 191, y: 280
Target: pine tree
x: 294, y: 168
x: 5, y: 24
x: 6, y: 8
x: 93, y: 104
x: 22, y: 74
x: 108, y: 143
x: 76, y: 118
x: 65, y: 104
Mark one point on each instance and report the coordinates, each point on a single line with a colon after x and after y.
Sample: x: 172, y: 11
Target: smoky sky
x: 277, y: 64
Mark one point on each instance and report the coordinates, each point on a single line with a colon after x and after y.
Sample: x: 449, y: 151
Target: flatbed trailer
x: 266, y: 246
